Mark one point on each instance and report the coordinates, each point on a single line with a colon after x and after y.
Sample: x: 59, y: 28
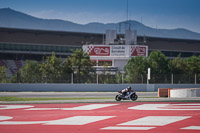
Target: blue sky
x: 163, y: 14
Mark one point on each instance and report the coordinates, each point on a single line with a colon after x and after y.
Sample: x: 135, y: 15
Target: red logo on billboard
x: 99, y: 50
x: 138, y: 51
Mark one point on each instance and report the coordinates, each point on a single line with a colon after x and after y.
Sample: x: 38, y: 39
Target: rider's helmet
x: 129, y: 88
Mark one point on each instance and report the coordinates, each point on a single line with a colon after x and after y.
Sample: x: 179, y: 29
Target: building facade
x: 18, y: 45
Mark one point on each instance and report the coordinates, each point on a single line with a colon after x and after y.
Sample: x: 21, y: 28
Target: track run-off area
x: 137, y: 117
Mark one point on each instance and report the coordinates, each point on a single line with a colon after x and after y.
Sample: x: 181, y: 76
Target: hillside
x: 14, y: 19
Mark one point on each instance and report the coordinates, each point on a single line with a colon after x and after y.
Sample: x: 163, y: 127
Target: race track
x: 71, y: 94
x: 135, y: 117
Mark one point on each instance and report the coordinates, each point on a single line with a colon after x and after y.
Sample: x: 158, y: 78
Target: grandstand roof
x: 13, y: 35
x: 47, y: 37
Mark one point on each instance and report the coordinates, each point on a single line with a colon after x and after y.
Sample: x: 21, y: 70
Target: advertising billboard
x: 138, y: 50
x: 116, y: 50
x: 98, y: 50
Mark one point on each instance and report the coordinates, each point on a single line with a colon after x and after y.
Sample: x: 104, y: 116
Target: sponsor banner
x: 116, y: 50
x: 98, y: 50
x: 138, y: 50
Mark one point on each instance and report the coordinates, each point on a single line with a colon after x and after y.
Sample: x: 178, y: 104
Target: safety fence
x: 111, y: 79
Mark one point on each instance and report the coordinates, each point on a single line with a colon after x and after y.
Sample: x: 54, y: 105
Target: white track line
x: 75, y: 120
x: 166, y: 107
x: 127, y: 128
x: 14, y: 106
x: 78, y: 120
x: 155, y: 120
x: 192, y: 128
x: 5, y: 118
x: 90, y: 107
x: 84, y: 107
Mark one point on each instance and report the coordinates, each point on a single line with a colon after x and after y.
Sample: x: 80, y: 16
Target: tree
x: 3, y: 74
x: 66, y: 71
x: 177, y: 65
x: 105, y: 77
x: 192, y: 65
x: 81, y: 65
x: 135, y: 69
x: 30, y: 73
x: 158, y: 63
x: 51, y: 68
x: 119, y: 77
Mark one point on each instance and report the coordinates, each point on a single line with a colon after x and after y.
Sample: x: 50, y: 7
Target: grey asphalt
x: 143, y: 97
x: 71, y: 94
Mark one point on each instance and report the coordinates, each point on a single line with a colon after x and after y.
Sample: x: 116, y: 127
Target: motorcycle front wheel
x: 118, y: 98
x: 134, y: 97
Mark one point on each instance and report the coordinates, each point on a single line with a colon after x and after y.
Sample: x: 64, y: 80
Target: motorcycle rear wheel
x: 134, y: 97
x: 118, y: 98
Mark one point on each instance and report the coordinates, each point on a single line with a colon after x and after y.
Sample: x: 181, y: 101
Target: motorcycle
x: 129, y: 96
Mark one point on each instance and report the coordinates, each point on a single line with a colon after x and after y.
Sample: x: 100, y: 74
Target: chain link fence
x: 95, y: 78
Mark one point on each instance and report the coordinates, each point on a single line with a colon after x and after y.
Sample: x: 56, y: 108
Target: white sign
x: 149, y: 73
x: 118, y: 50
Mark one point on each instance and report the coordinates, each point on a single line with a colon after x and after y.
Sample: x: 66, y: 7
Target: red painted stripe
x: 99, y: 120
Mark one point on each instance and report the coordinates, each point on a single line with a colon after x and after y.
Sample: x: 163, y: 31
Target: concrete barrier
x: 71, y: 87
x: 184, y: 93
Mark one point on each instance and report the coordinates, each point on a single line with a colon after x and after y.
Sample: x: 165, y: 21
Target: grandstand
x: 18, y: 45
x: 12, y: 65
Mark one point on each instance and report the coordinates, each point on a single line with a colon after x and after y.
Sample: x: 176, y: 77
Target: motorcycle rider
x: 126, y: 90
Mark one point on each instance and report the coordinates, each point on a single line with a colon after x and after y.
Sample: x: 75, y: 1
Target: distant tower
x: 131, y: 37
x: 111, y: 35
x: 127, y: 18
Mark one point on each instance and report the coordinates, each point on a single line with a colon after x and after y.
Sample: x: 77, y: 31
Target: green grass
x: 12, y: 98
x: 42, y: 98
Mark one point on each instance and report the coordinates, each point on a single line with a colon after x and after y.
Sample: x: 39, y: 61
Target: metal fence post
x: 195, y: 79
x: 172, y: 78
x: 72, y: 78
x: 142, y: 79
x: 97, y: 78
x: 148, y: 75
x: 122, y: 78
